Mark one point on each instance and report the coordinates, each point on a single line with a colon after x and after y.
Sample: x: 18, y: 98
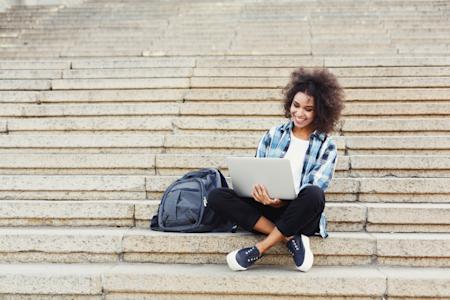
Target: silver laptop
x: 274, y: 173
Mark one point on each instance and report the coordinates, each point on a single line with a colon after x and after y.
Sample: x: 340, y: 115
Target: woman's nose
x: 300, y: 112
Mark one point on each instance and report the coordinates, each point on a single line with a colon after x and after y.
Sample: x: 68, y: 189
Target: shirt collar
x: 290, y: 124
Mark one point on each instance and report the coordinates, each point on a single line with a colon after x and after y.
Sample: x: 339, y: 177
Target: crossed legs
x: 301, y: 215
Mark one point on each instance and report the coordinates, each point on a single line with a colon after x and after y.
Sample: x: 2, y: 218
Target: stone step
x: 101, y: 245
x: 412, y: 24
x: 341, y: 216
x: 416, y: 41
x: 133, y: 187
x: 54, y: 53
x: 423, y: 49
x: 155, y: 83
x: 208, y: 144
x: 407, y: 190
x: 114, y: 213
x: 418, y: 32
x: 385, y: 217
x: 83, y: 96
x: 349, y: 82
x: 399, y: 165
x: 52, y: 280
x: 159, y: 125
x: 351, y: 109
x: 208, y: 109
x: 236, y: 62
x: 223, y: 72
x: 133, y: 63
x: 241, y: 62
x: 352, y: 166
x: 215, y: 95
x: 38, y: 84
x: 97, y: 110
x: 34, y: 64
x: 352, y: 95
x: 330, y: 62
x: 3, y: 126
x: 349, y: 217
x: 60, y: 163
x: 133, y: 281
x: 231, y: 125
x: 339, y: 72
x: 332, y: 49
x: 338, y: 249
x: 180, y: 50
x: 127, y: 73
x: 24, y: 54
x: 76, y: 143
x: 387, y: 126
x: 351, y: 281
x: 31, y: 42
x: 354, y: 50
x: 409, y: 109
x: 30, y: 74
x: 264, y: 32
x: 179, y: 164
x: 369, y: 145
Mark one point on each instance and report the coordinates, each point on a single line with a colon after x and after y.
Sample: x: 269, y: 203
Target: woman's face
x: 302, y: 110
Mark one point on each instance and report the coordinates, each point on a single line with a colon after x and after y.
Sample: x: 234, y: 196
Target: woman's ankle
x: 287, y: 239
x: 260, y: 248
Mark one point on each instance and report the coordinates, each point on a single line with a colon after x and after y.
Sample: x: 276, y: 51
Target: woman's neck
x: 302, y: 133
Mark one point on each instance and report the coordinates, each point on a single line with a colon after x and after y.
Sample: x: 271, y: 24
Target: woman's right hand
x: 261, y: 195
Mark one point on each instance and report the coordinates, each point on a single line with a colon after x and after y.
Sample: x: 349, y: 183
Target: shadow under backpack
x: 184, y: 205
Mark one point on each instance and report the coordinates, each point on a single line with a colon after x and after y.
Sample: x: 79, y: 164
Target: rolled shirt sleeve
x: 324, y: 168
x: 263, y: 145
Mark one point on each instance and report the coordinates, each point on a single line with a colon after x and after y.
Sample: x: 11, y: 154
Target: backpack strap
x: 223, y: 181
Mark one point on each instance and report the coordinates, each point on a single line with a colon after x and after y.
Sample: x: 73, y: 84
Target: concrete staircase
x: 103, y: 104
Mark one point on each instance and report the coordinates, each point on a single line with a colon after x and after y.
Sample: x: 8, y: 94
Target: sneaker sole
x: 309, y: 257
x: 232, y: 262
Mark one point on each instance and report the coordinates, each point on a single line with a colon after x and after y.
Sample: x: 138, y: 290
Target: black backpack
x: 184, y: 205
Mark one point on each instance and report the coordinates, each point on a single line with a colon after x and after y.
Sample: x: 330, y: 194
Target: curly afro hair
x: 328, y: 96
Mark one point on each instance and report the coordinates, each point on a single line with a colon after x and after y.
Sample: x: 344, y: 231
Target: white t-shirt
x: 296, y: 155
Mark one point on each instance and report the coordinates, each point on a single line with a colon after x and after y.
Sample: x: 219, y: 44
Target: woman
x: 313, y: 103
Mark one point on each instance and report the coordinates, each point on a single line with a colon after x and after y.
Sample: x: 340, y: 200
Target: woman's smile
x: 302, y: 110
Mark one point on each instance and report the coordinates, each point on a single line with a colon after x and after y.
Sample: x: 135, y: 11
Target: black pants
x: 298, y: 216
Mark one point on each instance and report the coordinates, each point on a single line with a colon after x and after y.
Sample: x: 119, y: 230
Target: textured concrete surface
x: 52, y: 279
x: 216, y: 279
x: 91, y: 129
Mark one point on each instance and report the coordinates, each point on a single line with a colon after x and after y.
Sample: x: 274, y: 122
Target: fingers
x: 257, y: 195
x: 261, y: 195
x: 277, y: 203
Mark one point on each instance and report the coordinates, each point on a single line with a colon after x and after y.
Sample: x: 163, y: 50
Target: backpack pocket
x: 181, y: 206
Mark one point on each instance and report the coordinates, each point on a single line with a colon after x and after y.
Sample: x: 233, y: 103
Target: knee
x: 313, y: 191
x: 216, y: 196
x: 313, y: 195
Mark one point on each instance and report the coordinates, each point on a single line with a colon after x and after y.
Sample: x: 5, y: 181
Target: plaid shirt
x: 319, y: 163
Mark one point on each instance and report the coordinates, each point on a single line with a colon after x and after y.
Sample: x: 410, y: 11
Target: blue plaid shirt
x: 319, y: 163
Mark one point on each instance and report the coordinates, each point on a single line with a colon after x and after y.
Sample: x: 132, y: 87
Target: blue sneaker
x: 299, y: 248
x: 240, y: 260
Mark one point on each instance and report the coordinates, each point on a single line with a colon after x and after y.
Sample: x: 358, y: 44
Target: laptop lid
x: 274, y: 173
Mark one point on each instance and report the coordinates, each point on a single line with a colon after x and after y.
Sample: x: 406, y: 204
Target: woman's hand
x: 261, y: 195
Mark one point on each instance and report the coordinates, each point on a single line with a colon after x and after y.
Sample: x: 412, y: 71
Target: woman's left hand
x: 261, y: 195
